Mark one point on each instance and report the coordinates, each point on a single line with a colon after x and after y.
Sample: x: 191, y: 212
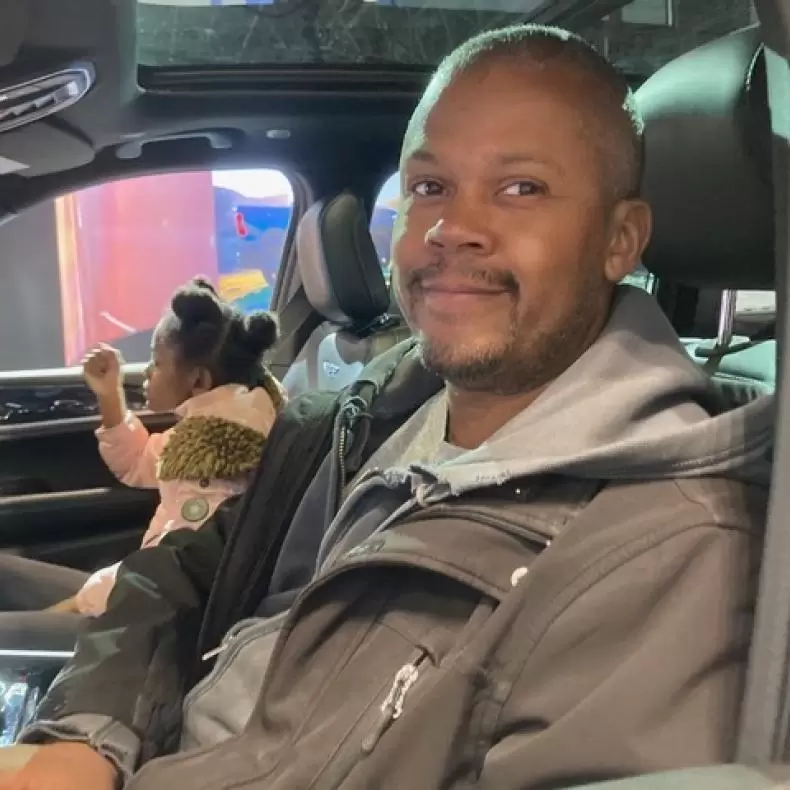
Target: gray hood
x: 633, y: 407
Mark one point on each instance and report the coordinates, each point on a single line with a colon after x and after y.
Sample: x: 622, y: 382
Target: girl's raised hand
x: 102, y: 369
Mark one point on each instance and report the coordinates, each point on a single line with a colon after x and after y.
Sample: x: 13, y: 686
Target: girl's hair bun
x: 203, y: 284
x: 197, y: 303
x: 261, y: 330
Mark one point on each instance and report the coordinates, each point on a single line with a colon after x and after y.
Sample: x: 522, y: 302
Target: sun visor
x: 39, y: 148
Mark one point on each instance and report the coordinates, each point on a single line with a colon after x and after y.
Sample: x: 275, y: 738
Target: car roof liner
x: 177, y: 119
x: 12, y: 31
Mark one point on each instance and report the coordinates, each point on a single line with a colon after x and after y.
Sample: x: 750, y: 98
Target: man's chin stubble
x: 473, y: 373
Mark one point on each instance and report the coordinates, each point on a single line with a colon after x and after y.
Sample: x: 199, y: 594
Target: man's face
x: 506, y: 247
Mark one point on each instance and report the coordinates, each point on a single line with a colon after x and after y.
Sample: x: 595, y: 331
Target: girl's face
x: 168, y: 382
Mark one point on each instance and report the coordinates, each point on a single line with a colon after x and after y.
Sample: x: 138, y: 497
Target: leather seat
x: 343, y: 281
x: 708, y: 179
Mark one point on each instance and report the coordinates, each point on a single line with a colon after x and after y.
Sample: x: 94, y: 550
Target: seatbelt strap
x: 764, y: 735
x: 297, y: 444
x: 298, y: 320
x: 765, y: 715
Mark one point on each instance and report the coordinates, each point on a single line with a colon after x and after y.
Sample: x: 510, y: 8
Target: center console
x: 25, y: 676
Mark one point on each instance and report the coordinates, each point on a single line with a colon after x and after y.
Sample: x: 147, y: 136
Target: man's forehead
x: 499, y: 155
x: 513, y: 116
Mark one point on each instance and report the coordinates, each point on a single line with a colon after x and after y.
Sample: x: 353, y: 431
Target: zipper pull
x: 392, y: 707
x: 350, y: 410
x: 212, y: 653
x: 226, y: 640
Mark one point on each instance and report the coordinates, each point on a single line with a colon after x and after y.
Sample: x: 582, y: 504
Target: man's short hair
x: 616, y: 124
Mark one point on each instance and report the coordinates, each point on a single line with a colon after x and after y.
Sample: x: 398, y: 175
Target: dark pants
x: 26, y: 588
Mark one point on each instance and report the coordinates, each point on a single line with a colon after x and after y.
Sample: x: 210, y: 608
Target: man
x: 544, y: 576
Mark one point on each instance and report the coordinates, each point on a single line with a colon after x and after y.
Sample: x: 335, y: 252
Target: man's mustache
x: 491, y: 278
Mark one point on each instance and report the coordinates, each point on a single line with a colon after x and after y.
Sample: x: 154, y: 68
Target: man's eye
x: 426, y: 188
x: 524, y: 189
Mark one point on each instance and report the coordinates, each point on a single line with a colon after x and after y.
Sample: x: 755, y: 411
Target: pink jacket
x: 203, y: 460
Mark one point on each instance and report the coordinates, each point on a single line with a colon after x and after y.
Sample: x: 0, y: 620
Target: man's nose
x: 461, y: 227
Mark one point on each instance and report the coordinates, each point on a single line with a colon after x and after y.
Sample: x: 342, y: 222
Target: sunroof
x: 321, y: 32
x: 638, y: 35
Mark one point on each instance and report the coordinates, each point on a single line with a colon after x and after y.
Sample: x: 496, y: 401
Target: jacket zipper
x: 372, y: 726
x: 392, y: 708
x: 230, y: 635
x: 349, y: 412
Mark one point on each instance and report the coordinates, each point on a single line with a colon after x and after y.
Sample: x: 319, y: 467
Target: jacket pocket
x: 220, y: 706
x: 404, y: 687
x: 374, y: 722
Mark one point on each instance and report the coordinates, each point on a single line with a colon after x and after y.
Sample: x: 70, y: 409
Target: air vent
x: 33, y: 100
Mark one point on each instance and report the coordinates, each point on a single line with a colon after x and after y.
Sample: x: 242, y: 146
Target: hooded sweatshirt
x: 634, y: 406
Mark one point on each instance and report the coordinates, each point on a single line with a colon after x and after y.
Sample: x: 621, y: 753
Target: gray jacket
x: 570, y: 600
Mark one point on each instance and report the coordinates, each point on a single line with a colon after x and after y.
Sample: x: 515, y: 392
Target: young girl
x: 206, y: 367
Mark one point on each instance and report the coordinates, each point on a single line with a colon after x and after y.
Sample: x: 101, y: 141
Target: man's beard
x: 522, y: 362
x: 526, y: 358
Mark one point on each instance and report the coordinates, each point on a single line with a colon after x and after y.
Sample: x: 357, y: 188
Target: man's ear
x: 632, y: 224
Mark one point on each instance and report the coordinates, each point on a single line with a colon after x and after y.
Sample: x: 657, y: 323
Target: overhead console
x: 66, y: 67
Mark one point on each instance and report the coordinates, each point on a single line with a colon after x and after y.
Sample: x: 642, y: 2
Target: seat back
x: 708, y: 180
x: 344, y: 282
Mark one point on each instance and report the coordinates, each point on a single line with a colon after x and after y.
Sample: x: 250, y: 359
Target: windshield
x: 639, y: 36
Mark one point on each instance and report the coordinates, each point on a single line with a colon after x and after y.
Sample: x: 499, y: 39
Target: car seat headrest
x: 708, y: 166
x: 338, y: 263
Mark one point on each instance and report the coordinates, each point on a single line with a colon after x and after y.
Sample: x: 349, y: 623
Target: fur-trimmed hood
x: 220, y: 435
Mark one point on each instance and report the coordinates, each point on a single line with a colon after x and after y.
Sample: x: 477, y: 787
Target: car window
x: 383, y: 218
x: 755, y: 310
x: 100, y: 264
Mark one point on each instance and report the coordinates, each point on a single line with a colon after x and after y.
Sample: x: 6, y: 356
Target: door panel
x: 58, y: 500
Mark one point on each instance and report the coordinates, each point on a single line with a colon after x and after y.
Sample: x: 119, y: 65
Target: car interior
x: 141, y: 90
